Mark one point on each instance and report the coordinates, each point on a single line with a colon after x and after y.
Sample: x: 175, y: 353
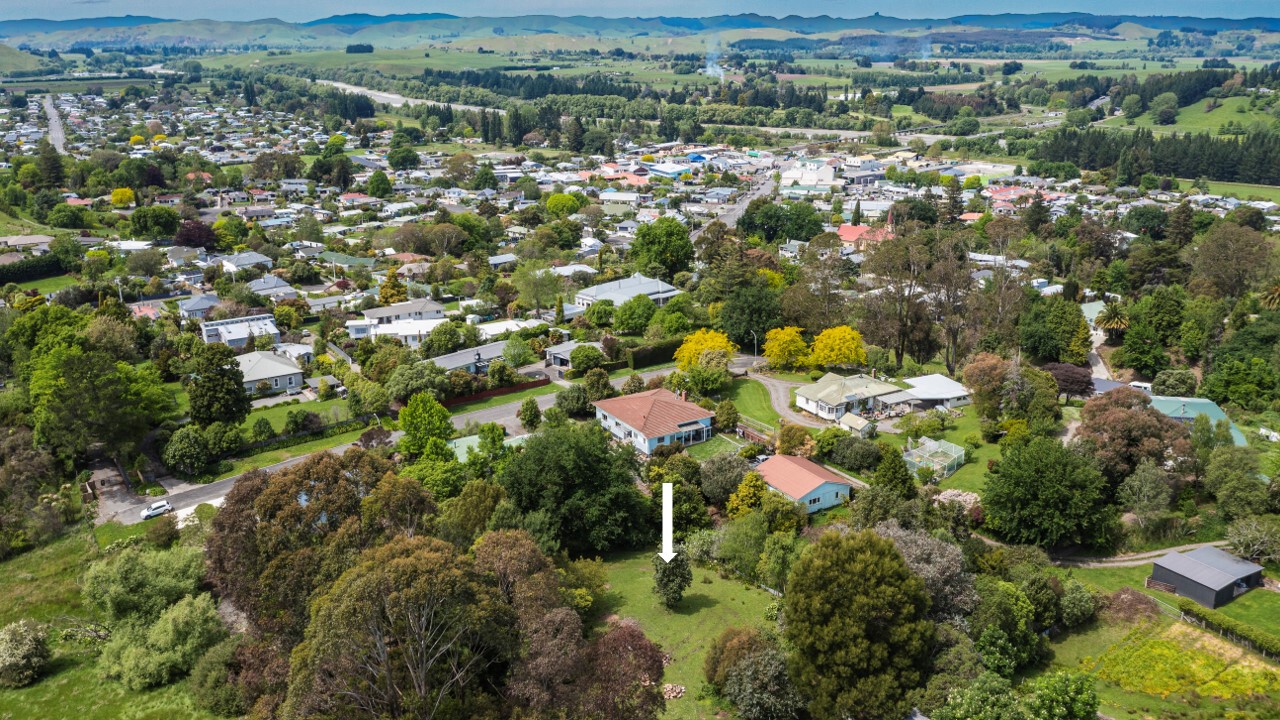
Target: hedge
x: 662, y: 351
x: 1261, y: 640
x: 608, y: 367
x: 32, y: 268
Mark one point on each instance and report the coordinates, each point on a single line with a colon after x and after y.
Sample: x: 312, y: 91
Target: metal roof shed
x: 1207, y: 575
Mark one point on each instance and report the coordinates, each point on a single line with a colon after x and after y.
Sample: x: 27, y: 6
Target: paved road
x: 57, y: 136
x: 730, y: 213
x: 504, y: 415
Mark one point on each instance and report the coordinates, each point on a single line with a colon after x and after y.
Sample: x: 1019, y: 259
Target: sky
x: 302, y: 10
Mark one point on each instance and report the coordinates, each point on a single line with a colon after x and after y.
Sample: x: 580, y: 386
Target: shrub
x: 24, y: 653
x: 187, y: 451
x: 1077, y: 604
x: 856, y: 454
x: 211, y: 680
x: 163, y: 531
x: 671, y: 579
x: 574, y: 400
x: 168, y: 649
x: 733, y: 645
x: 139, y: 584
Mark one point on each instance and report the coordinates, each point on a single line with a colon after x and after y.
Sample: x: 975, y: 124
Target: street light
x: 755, y: 341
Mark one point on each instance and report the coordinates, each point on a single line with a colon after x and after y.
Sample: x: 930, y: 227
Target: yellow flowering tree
x: 784, y: 347
x: 122, y: 197
x: 840, y: 345
x: 696, y: 344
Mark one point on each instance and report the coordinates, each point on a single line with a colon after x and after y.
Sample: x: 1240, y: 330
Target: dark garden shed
x: 1207, y: 575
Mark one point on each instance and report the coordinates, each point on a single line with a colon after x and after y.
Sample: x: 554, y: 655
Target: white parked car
x: 156, y: 509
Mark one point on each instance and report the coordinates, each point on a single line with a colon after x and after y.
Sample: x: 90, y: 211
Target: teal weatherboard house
x: 804, y: 481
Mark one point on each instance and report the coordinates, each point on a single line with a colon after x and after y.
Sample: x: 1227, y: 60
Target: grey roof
x: 264, y: 365
x: 620, y: 291
x: 463, y: 358
x: 404, y: 308
x: 266, y: 283
x: 198, y: 302
x: 1209, y: 566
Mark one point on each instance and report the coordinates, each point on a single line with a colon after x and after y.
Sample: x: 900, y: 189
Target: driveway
x: 1099, y: 368
x: 780, y: 398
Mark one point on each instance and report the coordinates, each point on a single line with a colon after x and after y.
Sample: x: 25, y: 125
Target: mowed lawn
x: 330, y: 410
x: 686, y: 632
x: 44, y: 585
x: 972, y: 476
x: 50, y: 284
x: 751, y: 398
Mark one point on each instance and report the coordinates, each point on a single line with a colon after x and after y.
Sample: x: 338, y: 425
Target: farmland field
x: 1195, y: 118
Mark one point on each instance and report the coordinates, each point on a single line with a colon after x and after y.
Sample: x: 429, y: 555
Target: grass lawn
x: 276, y: 414
x: 495, y: 401
x: 751, y: 398
x: 271, y: 457
x: 686, y: 632
x: 1194, y: 118
x: 50, y: 284
x: 972, y: 476
x: 1244, y: 191
x: 110, y: 532
x: 717, y: 445
x: 180, y: 395
x: 43, y: 585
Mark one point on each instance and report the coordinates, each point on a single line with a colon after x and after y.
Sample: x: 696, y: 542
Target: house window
x: 290, y: 381
x: 814, y: 501
x: 275, y: 382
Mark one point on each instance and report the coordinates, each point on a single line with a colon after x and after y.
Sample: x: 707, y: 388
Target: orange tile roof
x: 653, y: 413
x: 796, y: 477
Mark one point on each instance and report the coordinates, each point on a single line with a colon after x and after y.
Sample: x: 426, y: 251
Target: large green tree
x: 405, y: 630
x: 579, y: 488
x: 663, y: 243
x: 83, y: 398
x: 855, y: 618
x: 215, y: 386
x: 1044, y: 493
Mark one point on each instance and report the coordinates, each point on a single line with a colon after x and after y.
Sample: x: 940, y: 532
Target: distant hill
x: 21, y: 27
x: 408, y: 30
x: 365, y: 19
x: 13, y: 60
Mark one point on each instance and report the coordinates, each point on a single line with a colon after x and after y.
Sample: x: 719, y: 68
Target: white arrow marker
x: 667, y: 553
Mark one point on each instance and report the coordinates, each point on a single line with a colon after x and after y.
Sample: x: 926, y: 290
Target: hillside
x: 13, y: 60
x: 409, y: 30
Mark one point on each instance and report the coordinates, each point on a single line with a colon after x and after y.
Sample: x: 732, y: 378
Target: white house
x: 620, y: 291
x: 235, y: 332
x: 833, y: 396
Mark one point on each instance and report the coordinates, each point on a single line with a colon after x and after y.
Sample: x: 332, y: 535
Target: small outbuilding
x: 1206, y: 575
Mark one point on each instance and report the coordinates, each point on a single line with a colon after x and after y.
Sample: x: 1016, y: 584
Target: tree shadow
x: 691, y: 603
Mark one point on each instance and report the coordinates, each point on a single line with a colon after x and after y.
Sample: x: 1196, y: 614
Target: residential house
x: 473, y: 360
x: 1185, y: 410
x: 272, y: 287
x: 197, y: 306
x: 930, y: 391
x: 804, y: 481
x: 558, y: 355
x: 833, y: 396
x: 620, y: 291
x: 245, y: 260
x: 235, y: 332
x: 648, y: 420
x: 279, y: 372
